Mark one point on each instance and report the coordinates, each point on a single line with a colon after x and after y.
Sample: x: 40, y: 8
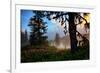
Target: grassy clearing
x: 52, y: 54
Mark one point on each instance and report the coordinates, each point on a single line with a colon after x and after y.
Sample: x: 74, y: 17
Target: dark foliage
x: 38, y: 29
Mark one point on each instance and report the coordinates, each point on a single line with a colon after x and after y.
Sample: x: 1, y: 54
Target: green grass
x: 52, y: 54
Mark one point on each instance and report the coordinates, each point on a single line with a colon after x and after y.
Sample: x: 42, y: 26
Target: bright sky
x: 25, y: 16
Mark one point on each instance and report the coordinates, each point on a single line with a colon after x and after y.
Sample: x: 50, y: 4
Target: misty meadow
x: 54, y: 36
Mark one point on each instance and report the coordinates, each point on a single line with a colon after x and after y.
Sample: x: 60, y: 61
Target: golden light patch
x: 87, y: 17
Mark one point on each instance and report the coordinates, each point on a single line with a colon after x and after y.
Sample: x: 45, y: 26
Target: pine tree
x: 38, y: 30
x: 57, y: 39
x: 26, y: 36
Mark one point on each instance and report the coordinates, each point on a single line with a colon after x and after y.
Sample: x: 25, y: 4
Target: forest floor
x: 52, y: 54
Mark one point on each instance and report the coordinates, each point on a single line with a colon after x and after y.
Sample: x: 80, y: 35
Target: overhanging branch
x: 83, y: 18
x: 57, y: 16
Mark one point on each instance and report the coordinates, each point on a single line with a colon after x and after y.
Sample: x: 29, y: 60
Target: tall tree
x: 38, y: 29
x: 72, y: 31
x: 57, y: 39
x: 26, y: 35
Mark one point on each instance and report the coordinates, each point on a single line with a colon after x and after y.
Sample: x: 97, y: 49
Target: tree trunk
x: 72, y: 32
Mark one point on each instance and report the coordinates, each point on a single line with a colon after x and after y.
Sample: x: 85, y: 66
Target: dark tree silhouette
x: 57, y: 39
x: 38, y: 29
x: 26, y: 35
x: 72, y: 32
x: 24, y: 38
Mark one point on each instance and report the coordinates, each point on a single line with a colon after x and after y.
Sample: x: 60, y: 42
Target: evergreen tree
x: 22, y: 37
x: 38, y: 29
x: 26, y: 36
x: 57, y: 39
